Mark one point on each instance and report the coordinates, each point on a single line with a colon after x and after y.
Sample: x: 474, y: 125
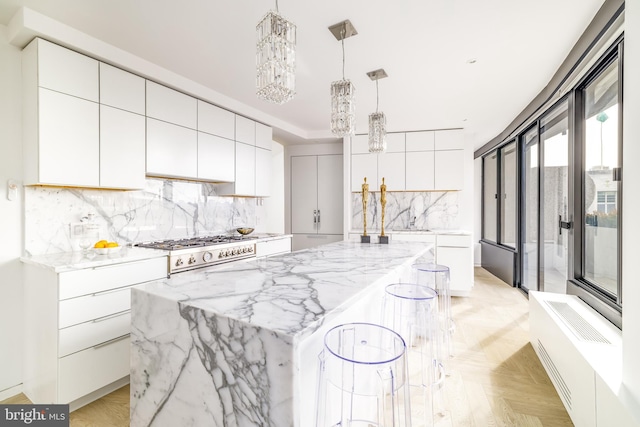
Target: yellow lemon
x: 100, y: 244
x: 111, y: 245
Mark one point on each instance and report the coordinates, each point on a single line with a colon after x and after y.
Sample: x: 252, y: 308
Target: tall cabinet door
x: 330, y: 200
x: 304, y: 194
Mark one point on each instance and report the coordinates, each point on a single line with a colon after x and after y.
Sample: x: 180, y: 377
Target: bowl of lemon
x: 104, y: 247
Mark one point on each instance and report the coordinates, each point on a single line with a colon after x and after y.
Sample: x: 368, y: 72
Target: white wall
x: 274, y: 205
x: 631, y: 203
x: 11, y: 300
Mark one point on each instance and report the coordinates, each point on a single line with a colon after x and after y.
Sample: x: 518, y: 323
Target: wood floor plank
x: 495, y: 377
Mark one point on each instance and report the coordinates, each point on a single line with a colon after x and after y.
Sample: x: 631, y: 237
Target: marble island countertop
x: 290, y: 293
x: 375, y: 232
x: 239, y: 346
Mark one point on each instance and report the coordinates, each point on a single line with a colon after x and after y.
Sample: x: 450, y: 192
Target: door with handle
x: 304, y: 195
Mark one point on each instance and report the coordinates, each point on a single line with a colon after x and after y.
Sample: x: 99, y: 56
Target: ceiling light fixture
x: 377, y: 120
x: 343, y: 120
x: 276, y: 58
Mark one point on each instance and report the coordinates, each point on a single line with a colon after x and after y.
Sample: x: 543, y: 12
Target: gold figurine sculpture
x: 383, y: 203
x: 365, y: 197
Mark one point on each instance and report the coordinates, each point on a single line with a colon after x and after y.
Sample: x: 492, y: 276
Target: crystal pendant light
x: 377, y: 120
x: 276, y: 58
x: 343, y: 121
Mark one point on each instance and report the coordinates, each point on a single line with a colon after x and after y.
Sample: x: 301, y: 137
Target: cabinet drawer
x: 407, y: 237
x: 454, y: 241
x: 89, y: 307
x: 273, y: 247
x: 98, y: 279
x: 88, y: 370
x: 95, y: 332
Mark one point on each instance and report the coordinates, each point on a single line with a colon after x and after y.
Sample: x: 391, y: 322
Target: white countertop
x: 415, y: 231
x: 70, y: 261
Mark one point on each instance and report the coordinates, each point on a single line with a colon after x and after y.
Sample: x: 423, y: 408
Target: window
x: 490, y: 195
x: 509, y: 186
x: 607, y: 202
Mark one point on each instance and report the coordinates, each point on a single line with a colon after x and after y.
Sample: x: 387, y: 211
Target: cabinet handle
x: 318, y: 216
x: 110, y: 291
x: 315, y: 216
x: 110, y: 316
x: 118, y: 264
x: 95, y: 347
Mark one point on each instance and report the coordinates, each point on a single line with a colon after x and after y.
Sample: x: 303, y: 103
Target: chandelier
x: 343, y: 122
x: 377, y: 120
x: 275, y: 58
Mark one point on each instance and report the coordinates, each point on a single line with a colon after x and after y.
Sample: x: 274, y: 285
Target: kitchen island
x: 239, y: 346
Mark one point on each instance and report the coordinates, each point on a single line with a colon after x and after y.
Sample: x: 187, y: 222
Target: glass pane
x: 530, y: 212
x: 509, y: 187
x: 554, y: 136
x: 601, y: 201
x: 490, y: 179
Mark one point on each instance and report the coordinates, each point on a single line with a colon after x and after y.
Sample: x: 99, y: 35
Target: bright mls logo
x: 34, y: 415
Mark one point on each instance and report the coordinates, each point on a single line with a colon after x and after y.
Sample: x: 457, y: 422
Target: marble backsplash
x: 163, y: 210
x: 431, y: 210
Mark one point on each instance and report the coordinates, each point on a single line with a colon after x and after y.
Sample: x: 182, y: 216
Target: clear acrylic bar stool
x: 437, y: 277
x: 362, y: 378
x: 410, y: 310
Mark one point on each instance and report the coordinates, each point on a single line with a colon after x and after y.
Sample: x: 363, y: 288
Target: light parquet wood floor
x: 495, y: 377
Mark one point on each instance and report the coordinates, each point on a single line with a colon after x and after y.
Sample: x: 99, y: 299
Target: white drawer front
x: 454, y: 241
x: 90, y: 307
x: 92, y: 280
x: 407, y: 237
x: 273, y: 247
x: 98, y: 331
x: 88, y: 370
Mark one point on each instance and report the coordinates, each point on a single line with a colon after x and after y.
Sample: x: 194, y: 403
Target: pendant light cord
x: 277, y: 9
x: 343, y: 33
x: 377, y: 96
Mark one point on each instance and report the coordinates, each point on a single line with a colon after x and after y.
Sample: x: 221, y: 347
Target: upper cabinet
x: 216, y: 121
x: 171, y: 106
x: 413, y: 161
x: 121, y: 89
x: 172, y: 151
x: 72, y: 134
x: 264, y: 136
x: 63, y: 70
x: 216, y: 158
x: 245, y: 130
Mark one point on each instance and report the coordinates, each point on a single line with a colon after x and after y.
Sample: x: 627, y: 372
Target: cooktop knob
x: 207, y: 256
x: 179, y: 262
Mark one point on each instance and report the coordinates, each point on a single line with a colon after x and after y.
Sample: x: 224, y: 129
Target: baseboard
x: 10, y: 392
x: 101, y: 392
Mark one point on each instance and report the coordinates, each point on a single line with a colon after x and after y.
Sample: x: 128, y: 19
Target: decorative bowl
x: 244, y: 230
x: 106, y: 251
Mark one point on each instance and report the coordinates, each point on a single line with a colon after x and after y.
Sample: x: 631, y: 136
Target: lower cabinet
x: 77, y: 327
x: 452, y: 250
x: 273, y: 247
x: 306, y: 241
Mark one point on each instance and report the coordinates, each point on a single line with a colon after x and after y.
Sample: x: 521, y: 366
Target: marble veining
x: 237, y: 346
x: 163, y: 210
x: 431, y: 210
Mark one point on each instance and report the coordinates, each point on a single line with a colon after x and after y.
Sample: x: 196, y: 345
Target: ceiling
x: 426, y: 47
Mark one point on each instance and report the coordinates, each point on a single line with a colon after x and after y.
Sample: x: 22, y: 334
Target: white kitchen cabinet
x: 264, y: 136
x: 364, y: 165
x: 245, y: 130
x: 452, y: 139
x: 306, y: 241
x: 263, y: 172
x: 395, y: 142
x: 420, y: 141
x: 77, y: 327
x: 245, y: 172
x: 64, y: 70
x: 171, y: 106
x: 391, y: 167
x: 360, y: 144
x: 172, y: 151
x: 273, y: 247
x: 216, y: 121
x: 456, y: 252
x: 67, y: 148
x: 419, y: 172
x: 122, y: 149
x: 216, y: 158
x: 316, y: 199
x: 449, y: 170
x: 121, y: 89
